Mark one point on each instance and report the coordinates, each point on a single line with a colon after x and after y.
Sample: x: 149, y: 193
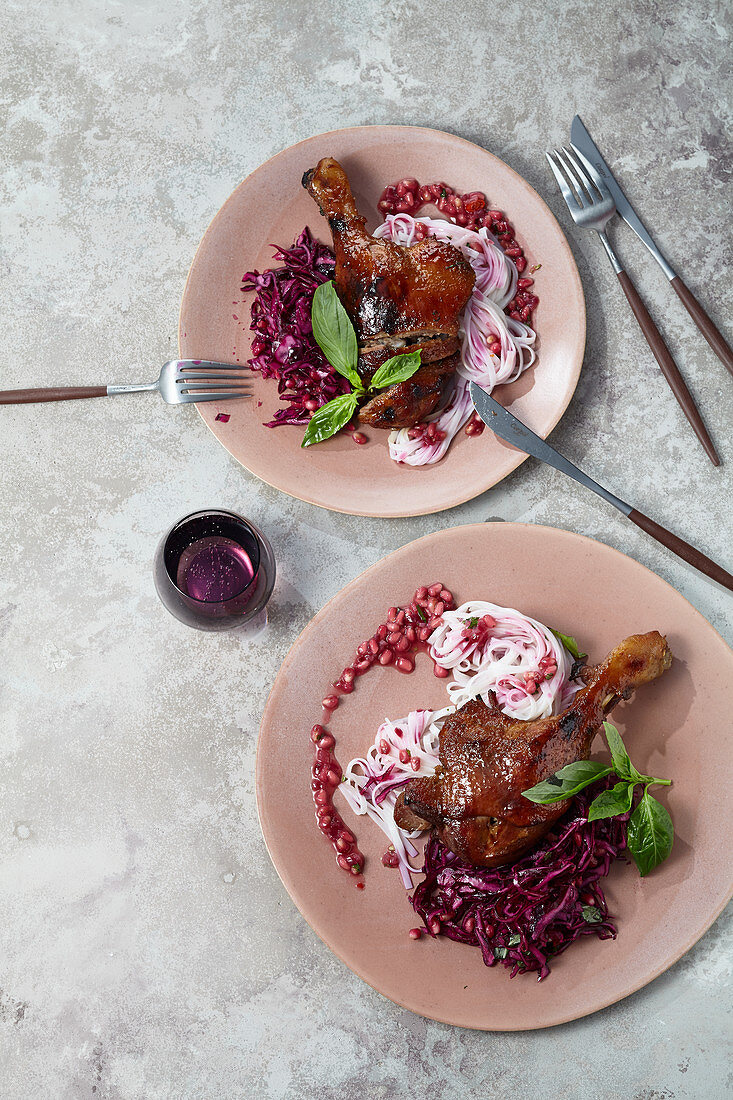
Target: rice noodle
x: 482, y: 324
x: 496, y: 649
x: 372, y: 783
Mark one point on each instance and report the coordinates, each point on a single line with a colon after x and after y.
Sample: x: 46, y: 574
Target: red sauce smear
x: 394, y: 644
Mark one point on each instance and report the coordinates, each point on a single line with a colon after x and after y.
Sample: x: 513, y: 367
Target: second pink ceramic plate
x: 677, y: 727
x: 271, y: 207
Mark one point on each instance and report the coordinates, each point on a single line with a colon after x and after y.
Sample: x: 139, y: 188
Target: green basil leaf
x: 330, y: 418
x: 568, y: 781
x: 621, y: 763
x: 592, y: 915
x: 570, y: 644
x: 397, y: 369
x: 650, y: 834
x: 610, y: 803
x: 334, y: 333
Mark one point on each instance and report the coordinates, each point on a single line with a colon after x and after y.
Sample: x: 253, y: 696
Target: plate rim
x: 564, y: 246
x: 634, y: 987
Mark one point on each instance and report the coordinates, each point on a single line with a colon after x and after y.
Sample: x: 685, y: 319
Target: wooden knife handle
x: 61, y: 393
x: 703, y: 322
x: 669, y: 367
x: 682, y: 549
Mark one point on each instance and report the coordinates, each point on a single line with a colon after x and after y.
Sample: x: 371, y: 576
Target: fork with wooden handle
x: 508, y: 428
x: 591, y: 206
x: 181, y: 382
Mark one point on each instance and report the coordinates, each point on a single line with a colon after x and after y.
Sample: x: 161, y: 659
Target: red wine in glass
x: 214, y: 571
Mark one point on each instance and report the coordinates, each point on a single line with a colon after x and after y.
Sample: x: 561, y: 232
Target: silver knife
x: 585, y: 146
x: 513, y: 431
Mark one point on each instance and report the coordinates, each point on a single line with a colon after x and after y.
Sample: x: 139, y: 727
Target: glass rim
x: 205, y: 513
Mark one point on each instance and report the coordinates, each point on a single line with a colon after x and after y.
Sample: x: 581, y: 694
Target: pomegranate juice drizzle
x: 395, y: 643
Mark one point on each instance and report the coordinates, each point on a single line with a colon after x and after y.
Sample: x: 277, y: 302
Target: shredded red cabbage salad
x: 526, y: 913
x: 283, y: 346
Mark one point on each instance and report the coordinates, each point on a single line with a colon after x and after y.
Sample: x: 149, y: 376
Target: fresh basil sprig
x: 335, y: 336
x: 650, y: 833
x: 334, y: 332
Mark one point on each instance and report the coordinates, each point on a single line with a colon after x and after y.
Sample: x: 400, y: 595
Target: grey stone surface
x: 147, y: 947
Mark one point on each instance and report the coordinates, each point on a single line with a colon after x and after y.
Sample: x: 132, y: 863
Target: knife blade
x: 585, y: 145
x: 507, y: 427
x: 513, y: 431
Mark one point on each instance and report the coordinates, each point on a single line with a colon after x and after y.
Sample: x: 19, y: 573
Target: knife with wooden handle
x: 513, y: 431
x: 583, y: 143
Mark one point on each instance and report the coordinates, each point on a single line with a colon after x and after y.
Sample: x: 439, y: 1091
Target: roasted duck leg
x: 474, y: 801
x: 399, y: 299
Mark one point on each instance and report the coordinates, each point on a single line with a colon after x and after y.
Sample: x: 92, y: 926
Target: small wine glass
x: 215, y: 571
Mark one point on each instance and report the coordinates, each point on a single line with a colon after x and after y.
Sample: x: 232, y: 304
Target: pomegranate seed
x: 331, y: 702
x: 587, y: 898
x: 333, y: 778
x: 524, y: 283
x: 311, y: 404
x: 316, y: 733
x: 342, y: 845
x: 382, y: 632
x: 384, y: 747
x: 346, y: 688
x: 421, y: 594
x: 394, y: 637
x: 439, y: 607
x: 404, y: 664
x: 415, y: 763
x: 403, y: 645
x: 423, y: 633
x: 489, y: 930
x: 326, y: 740
x: 362, y: 649
x: 348, y: 675
x: 392, y: 613
x: 359, y: 438
x: 405, y: 755
x: 440, y: 672
x: 411, y: 635
x: 435, y: 589
x: 362, y: 666
x: 386, y: 657
x: 415, y: 933
x: 520, y: 263
x: 400, y: 617
x: 390, y: 859
x: 446, y: 596
x: 321, y: 797
x: 325, y: 820
x: 374, y: 646
x: 469, y: 924
x: 343, y: 863
x: 434, y: 926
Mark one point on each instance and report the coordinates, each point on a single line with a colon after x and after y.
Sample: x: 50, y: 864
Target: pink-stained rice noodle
x: 483, y: 326
x: 372, y: 782
x: 489, y: 648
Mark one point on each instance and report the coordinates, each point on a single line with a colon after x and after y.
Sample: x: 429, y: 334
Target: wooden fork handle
x: 682, y: 549
x: 703, y: 322
x: 669, y: 368
x: 60, y: 393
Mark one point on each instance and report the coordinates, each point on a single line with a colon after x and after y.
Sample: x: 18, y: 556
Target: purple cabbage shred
x: 526, y: 913
x: 283, y: 346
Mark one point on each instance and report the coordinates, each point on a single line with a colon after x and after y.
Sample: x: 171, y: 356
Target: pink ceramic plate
x: 272, y: 207
x: 677, y: 727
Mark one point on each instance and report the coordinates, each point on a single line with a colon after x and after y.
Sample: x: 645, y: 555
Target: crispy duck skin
x: 408, y: 402
x: 474, y: 801
x: 399, y: 298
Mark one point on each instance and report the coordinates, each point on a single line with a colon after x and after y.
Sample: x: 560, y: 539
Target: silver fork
x: 181, y: 382
x: 592, y: 207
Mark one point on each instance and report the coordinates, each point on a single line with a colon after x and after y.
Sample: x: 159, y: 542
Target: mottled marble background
x: 147, y: 948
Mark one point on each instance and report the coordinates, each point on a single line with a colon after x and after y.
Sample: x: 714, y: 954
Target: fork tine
x: 223, y: 377
x: 583, y: 197
x: 189, y: 398
x: 594, y: 193
x: 592, y: 172
x: 212, y: 387
x: 570, y: 199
